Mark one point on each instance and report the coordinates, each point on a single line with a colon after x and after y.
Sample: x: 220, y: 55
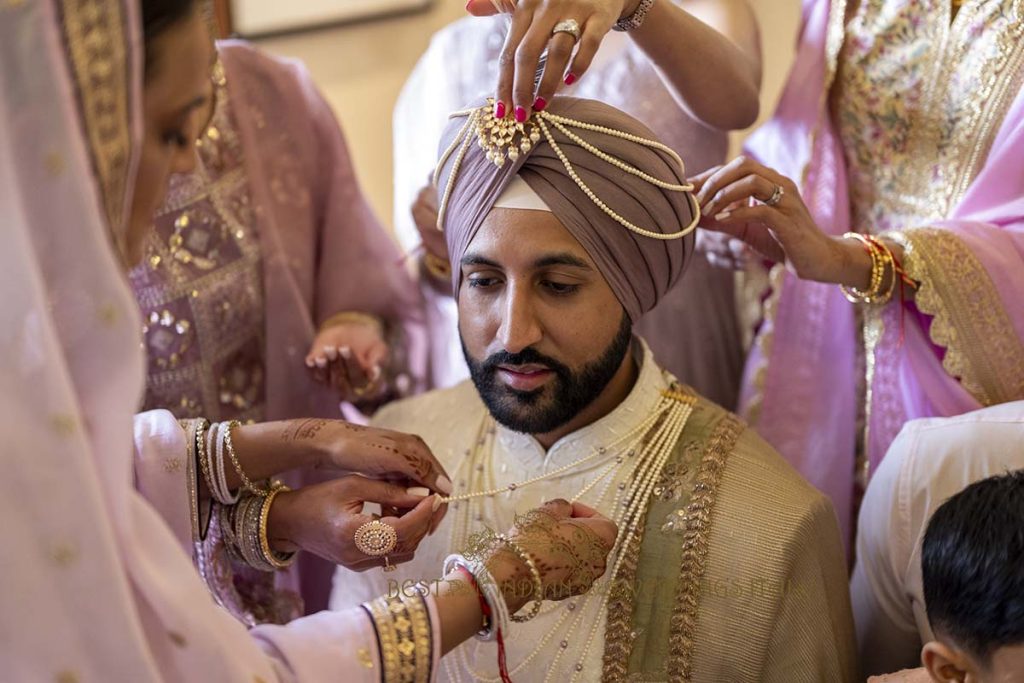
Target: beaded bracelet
x: 636, y: 19
x: 538, y: 584
x: 215, y: 464
x: 226, y: 442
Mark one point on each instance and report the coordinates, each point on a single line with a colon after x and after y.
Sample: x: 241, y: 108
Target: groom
x: 562, y: 232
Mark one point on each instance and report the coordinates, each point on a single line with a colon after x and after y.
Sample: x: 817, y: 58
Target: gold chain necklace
x: 647, y: 446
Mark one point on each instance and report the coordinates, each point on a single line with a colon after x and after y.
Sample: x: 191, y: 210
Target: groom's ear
x: 947, y: 664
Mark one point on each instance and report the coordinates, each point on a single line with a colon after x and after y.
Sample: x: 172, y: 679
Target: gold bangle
x: 354, y: 318
x: 438, y: 267
x: 387, y: 637
x: 229, y: 446
x: 881, y: 259
x: 274, y: 559
x: 538, y: 584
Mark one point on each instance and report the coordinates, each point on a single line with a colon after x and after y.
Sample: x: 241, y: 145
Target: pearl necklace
x: 649, y: 446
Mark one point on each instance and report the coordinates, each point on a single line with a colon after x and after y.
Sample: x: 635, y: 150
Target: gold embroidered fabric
x: 969, y: 320
x: 696, y: 547
x: 918, y: 100
x: 94, y: 33
x: 200, y: 288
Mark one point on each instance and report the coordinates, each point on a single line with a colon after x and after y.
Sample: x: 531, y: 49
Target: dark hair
x: 972, y: 565
x: 160, y: 15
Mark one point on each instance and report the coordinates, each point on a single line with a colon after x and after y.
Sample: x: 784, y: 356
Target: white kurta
x: 449, y: 421
x: 930, y: 460
x: 766, y: 527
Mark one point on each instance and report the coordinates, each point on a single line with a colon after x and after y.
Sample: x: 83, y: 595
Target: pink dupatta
x: 958, y: 346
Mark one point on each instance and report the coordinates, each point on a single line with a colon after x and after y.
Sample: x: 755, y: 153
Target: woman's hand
x: 351, y: 356
x: 377, y: 453
x: 528, y: 36
x: 569, y: 543
x: 732, y: 199
x: 323, y: 520
x: 424, y: 214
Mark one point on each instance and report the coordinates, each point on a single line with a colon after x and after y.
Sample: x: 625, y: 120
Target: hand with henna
x: 270, y: 448
x: 569, y: 544
x: 323, y: 519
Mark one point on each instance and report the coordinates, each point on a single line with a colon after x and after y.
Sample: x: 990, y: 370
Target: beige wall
x: 362, y: 67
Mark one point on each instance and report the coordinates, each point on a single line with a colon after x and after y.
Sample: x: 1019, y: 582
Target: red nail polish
x: 539, y: 104
x: 570, y: 78
x: 520, y: 115
x: 499, y: 110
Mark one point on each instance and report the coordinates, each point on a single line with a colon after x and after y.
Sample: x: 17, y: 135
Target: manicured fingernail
x: 499, y: 110
x: 444, y: 485
x: 331, y: 352
x: 375, y: 373
x: 309, y: 363
x: 418, y: 491
x: 345, y: 352
x: 437, y: 503
x: 321, y: 362
x: 520, y: 115
x: 570, y: 78
x: 723, y: 216
x: 539, y: 104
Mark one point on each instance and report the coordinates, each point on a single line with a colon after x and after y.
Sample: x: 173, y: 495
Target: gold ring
x: 376, y: 539
x: 570, y: 26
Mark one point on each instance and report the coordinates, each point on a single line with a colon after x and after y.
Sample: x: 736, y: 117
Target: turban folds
x: 639, y: 269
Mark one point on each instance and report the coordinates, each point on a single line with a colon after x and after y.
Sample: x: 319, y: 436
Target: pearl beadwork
x: 494, y: 135
x: 652, y: 442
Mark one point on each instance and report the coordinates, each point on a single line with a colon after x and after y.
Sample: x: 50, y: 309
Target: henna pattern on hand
x: 305, y: 430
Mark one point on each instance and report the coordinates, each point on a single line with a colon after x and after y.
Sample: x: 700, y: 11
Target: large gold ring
x: 376, y: 539
x: 570, y: 26
x: 777, y: 195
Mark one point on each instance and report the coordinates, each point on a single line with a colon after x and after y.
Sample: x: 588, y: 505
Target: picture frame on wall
x: 252, y: 18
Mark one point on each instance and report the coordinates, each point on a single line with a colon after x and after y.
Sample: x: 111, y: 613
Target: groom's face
x: 541, y: 330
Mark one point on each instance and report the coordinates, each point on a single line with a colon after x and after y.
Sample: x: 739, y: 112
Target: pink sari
x: 958, y: 346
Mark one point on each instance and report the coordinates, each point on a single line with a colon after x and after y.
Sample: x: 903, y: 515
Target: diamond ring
x: 570, y: 26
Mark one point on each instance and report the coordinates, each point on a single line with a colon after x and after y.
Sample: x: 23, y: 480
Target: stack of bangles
x: 885, y: 271
x: 243, y: 514
x: 492, y: 600
x: 402, y: 623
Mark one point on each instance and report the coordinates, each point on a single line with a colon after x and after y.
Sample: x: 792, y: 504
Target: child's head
x: 972, y: 564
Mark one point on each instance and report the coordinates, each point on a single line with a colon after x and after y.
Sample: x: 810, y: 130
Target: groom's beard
x: 559, y: 401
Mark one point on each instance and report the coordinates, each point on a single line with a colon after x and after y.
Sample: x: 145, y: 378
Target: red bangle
x: 484, y: 607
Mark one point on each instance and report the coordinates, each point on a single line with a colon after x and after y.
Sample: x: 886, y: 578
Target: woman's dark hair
x: 160, y: 15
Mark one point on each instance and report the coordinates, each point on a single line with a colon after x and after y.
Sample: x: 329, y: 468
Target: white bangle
x: 224, y: 495
x: 491, y: 591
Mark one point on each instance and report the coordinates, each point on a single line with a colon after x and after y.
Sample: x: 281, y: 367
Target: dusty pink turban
x: 639, y: 269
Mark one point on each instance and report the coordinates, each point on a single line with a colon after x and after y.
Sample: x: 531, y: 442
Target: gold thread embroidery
x: 63, y: 425
x: 983, y: 350
x: 618, y: 641
x: 64, y: 555
x: 685, y: 613
x: 54, y: 163
x: 95, y: 36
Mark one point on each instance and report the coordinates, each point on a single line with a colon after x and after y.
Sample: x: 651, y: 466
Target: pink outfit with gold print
x: 906, y: 120
x: 269, y: 237
x: 96, y: 585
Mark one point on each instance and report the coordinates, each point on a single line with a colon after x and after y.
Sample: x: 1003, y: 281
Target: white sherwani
x: 566, y: 642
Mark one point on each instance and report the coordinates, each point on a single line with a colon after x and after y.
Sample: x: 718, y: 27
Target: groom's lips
x: 525, y: 377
